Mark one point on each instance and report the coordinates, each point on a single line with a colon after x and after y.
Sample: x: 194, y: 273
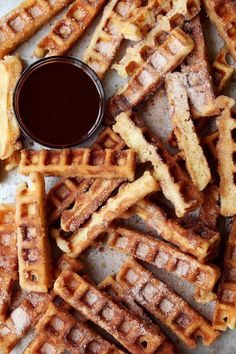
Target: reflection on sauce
x: 58, y: 103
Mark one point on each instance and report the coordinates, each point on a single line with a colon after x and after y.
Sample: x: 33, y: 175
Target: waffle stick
x: 168, y: 19
x: 210, y: 208
x: 22, y: 22
x: 225, y: 309
x: 222, y: 71
x: 151, y: 74
x: 57, y: 331
x: 8, y: 257
x: 135, y: 335
x: 223, y: 15
x: 10, y: 70
x: 32, y: 241
x: 115, y: 206
x: 87, y: 203
x: 68, y: 30
x: 175, y: 183
x: 196, y: 239
x: 184, y: 129
x: 64, y: 193
x: 165, y: 256
x: 164, y: 304
x: 83, y: 162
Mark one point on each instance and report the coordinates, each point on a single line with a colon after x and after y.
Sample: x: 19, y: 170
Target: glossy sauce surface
x: 58, y: 104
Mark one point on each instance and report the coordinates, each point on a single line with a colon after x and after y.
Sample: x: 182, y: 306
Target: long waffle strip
x: 10, y: 70
x: 83, y: 162
x: 136, y: 55
x: 135, y: 335
x: 8, y: 257
x: 32, y: 241
x: 223, y: 14
x: 225, y: 309
x: 163, y: 255
x: 22, y: 22
x: 69, y: 28
x: 225, y: 149
x: 184, y: 129
x: 158, y: 299
x: 57, y: 331
x: 64, y: 193
x: 198, y: 240
x: 175, y: 184
x: 152, y: 73
x: 222, y: 71
x: 87, y: 203
x: 127, y: 196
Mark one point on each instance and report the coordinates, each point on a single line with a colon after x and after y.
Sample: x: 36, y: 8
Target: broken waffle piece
x: 225, y: 308
x: 223, y: 14
x: 222, y: 71
x: 165, y: 305
x: 10, y: 70
x: 8, y: 257
x: 22, y: 22
x: 67, y: 263
x: 175, y: 183
x: 57, y: 331
x: 68, y: 30
x: 152, y: 73
x: 184, y: 129
x: 83, y: 162
x: 135, y: 335
x: 126, y: 197
x: 35, y: 271
x: 88, y: 202
x: 196, y: 239
x: 161, y: 254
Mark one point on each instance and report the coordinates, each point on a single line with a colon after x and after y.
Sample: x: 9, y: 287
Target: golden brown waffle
x: 65, y: 262
x: 196, y: 239
x: 58, y: 331
x: 13, y: 160
x: 10, y: 70
x: 164, y: 304
x: 115, y: 206
x: 172, y: 14
x: 225, y: 309
x: 225, y: 150
x: 175, y: 183
x: 163, y: 255
x: 152, y: 73
x: 33, y: 244
x: 22, y: 22
x: 222, y: 71
x: 210, y: 208
x: 223, y: 14
x: 8, y: 257
x: 184, y: 130
x: 108, y: 140
x: 88, y: 202
x: 135, y: 335
x: 69, y: 28
x: 83, y: 162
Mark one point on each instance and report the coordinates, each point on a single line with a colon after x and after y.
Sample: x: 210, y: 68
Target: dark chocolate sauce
x: 58, y: 103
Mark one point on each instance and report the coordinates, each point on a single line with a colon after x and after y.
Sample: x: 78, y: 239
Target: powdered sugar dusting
x: 21, y: 320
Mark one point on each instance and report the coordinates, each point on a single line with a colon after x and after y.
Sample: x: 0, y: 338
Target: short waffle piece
x: 225, y: 309
x: 152, y: 73
x: 160, y: 301
x: 223, y: 14
x: 83, y: 162
x: 57, y: 331
x: 175, y: 183
x: 67, y: 263
x: 14, y: 159
x: 184, y: 130
x: 32, y: 241
x: 135, y: 335
x: 8, y: 257
x: 163, y: 255
x: 196, y: 239
x: 115, y: 206
x: 69, y: 28
x: 222, y: 71
x: 10, y: 71
x: 22, y: 22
